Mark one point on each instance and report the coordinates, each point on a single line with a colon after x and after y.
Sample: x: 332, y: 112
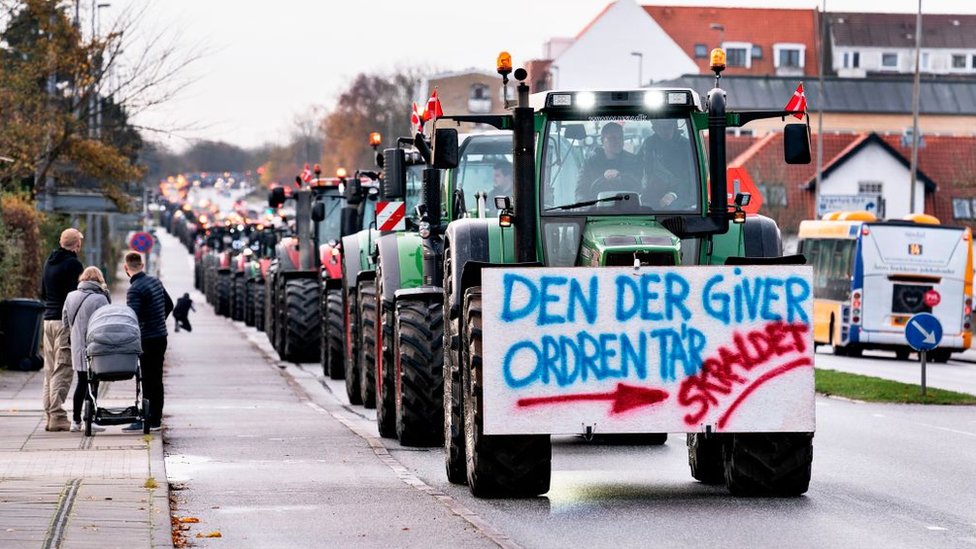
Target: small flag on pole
x: 306, y: 174
x: 798, y: 103
x: 434, y: 109
x: 416, y: 120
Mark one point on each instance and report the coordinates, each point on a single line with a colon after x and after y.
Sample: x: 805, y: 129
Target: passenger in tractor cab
x: 610, y: 168
x: 668, y: 167
x: 501, y: 186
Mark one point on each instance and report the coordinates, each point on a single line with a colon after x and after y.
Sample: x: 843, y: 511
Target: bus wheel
x: 902, y: 354
x: 939, y: 355
x: 854, y: 351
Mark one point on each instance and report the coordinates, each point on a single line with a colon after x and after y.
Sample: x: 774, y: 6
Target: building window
x: 889, y: 60
x: 925, y: 60
x: 789, y: 55
x: 479, y: 99
x: 870, y: 187
x: 962, y: 208
x: 737, y: 54
x: 958, y: 61
x: 757, y: 52
x: 789, y: 58
x: 773, y: 194
x: 855, y: 60
x: 701, y: 51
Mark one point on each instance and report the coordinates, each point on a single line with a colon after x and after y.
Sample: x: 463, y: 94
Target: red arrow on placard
x: 624, y: 398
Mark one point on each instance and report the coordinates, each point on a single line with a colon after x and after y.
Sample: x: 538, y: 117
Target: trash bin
x: 20, y: 333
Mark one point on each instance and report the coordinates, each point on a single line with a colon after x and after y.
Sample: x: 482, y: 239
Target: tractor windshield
x: 616, y: 165
x: 485, y: 167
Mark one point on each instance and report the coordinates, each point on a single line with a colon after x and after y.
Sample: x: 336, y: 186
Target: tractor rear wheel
x: 498, y: 465
x: 455, y: 460
x: 301, y: 322
x: 351, y: 357
x: 367, y: 342
x: 705, y: 458
x: 386, y: 367
x: 257, y: 297
x: 238, y: 302
x: 419, y: 361
x: 223, y: 294
x: 768, y: 464
x: 248, y: 296
x: 332, y: 335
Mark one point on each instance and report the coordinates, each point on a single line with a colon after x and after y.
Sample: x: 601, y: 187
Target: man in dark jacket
x: 61, y: 272
x: 148, y: 298
x: 181, y: 313
x: 611, y: 168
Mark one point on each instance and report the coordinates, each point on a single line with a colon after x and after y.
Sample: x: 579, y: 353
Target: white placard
x: 661, y: 349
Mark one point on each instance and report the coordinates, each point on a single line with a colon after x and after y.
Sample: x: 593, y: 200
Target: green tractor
x: 342, y: 339
x: 405, y: 302
x: 620, y: 291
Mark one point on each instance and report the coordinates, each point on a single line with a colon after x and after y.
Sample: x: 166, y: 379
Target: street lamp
x: 721, y: 32
x: 640, y: 67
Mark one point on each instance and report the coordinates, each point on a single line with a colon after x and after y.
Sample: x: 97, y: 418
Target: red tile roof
x: 764, y: 27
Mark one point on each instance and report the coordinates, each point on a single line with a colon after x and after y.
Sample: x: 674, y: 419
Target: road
x: 272, y: 455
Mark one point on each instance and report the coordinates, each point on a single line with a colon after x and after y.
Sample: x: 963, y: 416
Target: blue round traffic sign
x: 141, y: 242
x: 923, y: 332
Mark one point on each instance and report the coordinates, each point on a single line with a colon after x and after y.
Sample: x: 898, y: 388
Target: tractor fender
x: 296, y: 275
x: 423, y: 293
x: 761, y: 237
x: 350, y: 261
x: 332, y: 283
x: 330, y: 257
x: 397, y: 250
x: 467, y: 240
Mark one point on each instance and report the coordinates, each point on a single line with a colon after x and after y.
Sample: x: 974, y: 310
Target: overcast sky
x: 265, y: 62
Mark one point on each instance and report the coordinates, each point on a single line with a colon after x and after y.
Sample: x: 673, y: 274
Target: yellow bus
x: 870, y: 276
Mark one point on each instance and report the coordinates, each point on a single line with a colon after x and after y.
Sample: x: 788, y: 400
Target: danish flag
x: 306, y: 174
x: 434, y: 109
x: 798, y: 103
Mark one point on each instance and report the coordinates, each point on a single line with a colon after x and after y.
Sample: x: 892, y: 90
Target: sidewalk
x: 66, y: 490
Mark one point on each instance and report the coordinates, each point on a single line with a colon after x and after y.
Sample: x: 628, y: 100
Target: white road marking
x: 935, y: 528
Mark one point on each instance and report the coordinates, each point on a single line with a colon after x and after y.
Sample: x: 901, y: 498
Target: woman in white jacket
x: 92, y: 293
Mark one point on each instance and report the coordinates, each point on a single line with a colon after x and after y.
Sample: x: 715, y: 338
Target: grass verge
x: 873, y: 389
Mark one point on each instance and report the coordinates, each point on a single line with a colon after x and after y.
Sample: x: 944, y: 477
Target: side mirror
x: 796, y: 144
x: 395, y: 175
x: 574, y: 132
x: 318, y: 212
x: 349, y: 223
x: 276, y: 197
x: 445, y: 149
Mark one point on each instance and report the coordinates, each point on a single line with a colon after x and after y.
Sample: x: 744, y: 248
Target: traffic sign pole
x: 922, y: 355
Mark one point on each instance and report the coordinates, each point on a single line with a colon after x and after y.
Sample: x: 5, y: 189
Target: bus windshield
x: 610, y: 165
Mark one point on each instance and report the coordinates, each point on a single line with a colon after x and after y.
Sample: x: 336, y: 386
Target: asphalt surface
x: 276, y: 457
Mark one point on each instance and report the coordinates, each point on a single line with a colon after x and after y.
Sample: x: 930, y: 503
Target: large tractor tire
x: 239, y: 301
x: 419, y: 331
x: 301, y: 328
x: 248, y: 296
x: 705, y: 457
x: 222, y: 307
x: 332, y: 332
x: 768, y: 464
x: 270, y: 312
x: 198, y: 275
x: 455, y: 458
x: 498, y: 465
x: 210, y: 284
x: 257, y: 293
x: 386, y: 367
x: 350, y: 359
x: 367, y: 342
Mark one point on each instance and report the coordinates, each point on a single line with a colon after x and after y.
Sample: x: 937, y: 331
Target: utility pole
x: 821, y: 102
x: 915, y: 94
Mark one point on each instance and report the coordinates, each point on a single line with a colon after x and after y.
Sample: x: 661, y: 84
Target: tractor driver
x: 610, y: 168
x: 668, y: 166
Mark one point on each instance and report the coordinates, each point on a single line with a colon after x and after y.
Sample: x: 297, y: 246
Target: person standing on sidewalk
x: 152, y: 304
x: 181, y: 313
x: 91, y: 295
x: 61, y: 272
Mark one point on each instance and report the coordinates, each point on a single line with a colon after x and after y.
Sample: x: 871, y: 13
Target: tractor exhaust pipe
x: 523, y: 179
x: 718, y: 199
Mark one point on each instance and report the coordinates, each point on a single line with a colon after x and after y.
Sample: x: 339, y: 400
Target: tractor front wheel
x: 300, y: 329
x: 419, y: 340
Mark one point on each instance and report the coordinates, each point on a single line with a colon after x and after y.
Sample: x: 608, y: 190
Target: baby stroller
x: 113, y: 346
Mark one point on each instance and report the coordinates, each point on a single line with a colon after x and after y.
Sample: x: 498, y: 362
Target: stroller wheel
x: 145, y: 416
x: 88, y: 415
